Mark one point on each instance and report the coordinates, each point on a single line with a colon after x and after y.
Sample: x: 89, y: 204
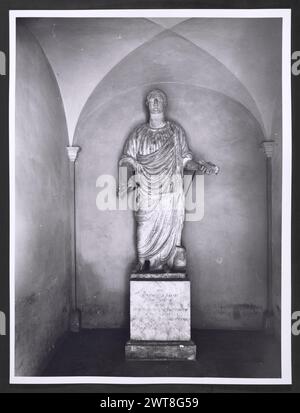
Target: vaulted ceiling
x: 240, y: 58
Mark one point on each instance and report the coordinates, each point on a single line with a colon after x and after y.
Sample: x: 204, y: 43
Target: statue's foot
x: 166, y: 268
x: 145, y: 266
x: 139, y: 266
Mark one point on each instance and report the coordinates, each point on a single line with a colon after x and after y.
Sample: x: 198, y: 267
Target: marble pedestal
x: 160, y: 317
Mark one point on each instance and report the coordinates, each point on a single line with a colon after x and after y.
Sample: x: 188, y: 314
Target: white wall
x: 42, y: 233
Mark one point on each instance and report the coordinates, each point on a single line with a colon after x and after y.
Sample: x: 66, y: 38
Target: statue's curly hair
x: 156, y: 92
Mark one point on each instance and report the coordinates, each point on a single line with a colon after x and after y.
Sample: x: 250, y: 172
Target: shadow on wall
x: 42, y: 264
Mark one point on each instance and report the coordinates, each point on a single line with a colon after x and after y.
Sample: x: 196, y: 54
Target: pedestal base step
x: 160, y: 350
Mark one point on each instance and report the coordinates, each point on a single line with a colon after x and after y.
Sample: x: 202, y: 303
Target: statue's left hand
x: 209, y: 168
x: 213, y: 169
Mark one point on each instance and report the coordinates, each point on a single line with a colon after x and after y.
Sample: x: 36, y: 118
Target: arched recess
x: 227, y: 249
x: 169, y: 58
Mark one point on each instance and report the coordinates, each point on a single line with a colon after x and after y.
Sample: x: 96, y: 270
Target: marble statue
x: 157, y: 153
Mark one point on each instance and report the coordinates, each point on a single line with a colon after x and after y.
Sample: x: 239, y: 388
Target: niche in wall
x: 227, y: 249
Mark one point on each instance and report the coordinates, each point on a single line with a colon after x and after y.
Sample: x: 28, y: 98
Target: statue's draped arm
x: 128, y: 160
x: 130, y: 150
x: 186, y: 153
x: 190, y: 164
x: 187, y: 156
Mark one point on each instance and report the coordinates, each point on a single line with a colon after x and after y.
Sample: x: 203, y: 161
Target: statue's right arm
x: 129, y: 154
x: 128, y: 161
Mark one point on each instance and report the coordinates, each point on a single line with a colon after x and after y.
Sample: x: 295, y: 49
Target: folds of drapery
x: 158, y: 157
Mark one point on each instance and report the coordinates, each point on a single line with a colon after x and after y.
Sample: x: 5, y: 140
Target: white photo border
x: 286, y: 336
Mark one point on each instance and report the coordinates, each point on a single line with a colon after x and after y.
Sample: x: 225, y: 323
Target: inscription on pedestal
x: 160, y: 310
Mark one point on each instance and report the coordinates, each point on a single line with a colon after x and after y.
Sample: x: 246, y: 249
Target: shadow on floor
x: 219, y: 354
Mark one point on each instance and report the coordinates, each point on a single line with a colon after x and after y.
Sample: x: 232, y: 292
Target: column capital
x: 268, y: 147
x: 73, y: 152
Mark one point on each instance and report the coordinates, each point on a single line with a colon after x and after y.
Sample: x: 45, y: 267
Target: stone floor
x: 219, y: 354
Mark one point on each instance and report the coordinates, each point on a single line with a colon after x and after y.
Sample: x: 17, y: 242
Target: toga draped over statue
x: 158, y: 157
x: 157, y: 152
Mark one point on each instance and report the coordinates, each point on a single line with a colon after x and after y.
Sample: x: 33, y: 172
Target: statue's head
x: 156, y: 101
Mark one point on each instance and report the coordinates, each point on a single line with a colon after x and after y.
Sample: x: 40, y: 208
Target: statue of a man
x: 157, y: 154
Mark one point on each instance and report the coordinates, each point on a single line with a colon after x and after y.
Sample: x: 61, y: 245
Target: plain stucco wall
x: 42, y: 273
